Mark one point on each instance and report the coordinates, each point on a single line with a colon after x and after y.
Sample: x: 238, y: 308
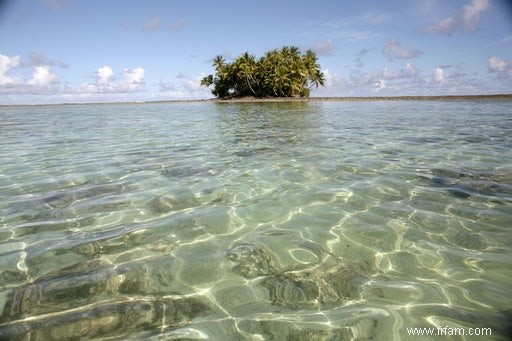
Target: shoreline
x: 363, y: 98
x: 493, y: 97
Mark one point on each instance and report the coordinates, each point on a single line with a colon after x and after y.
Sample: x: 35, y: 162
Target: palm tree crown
x: 281, y: 72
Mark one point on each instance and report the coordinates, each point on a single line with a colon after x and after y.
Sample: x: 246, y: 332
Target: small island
x: 284, y: 72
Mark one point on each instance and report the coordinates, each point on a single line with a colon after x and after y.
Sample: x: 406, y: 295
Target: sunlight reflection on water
x: 314, y: 220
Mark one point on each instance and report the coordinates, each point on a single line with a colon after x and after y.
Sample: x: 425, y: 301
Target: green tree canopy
x: 281, y: 72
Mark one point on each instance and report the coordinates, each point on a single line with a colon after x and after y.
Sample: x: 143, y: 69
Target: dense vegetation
x: 281, y: 72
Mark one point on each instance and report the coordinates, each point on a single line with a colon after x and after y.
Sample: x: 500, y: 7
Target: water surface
x: 307, y: 220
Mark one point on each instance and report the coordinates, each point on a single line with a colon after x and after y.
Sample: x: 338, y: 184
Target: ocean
x: 319, y: 220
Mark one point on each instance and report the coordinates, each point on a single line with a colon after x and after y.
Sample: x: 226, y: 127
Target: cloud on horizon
x: 132, y: 80
x: 401, y: 81
x: 187, y: 88
x: 466, y: 19
x: 43, y: 81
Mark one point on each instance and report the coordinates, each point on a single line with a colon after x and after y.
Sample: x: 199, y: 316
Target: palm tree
x: 218, y: 62
x: 317, y: 78
x: 247, y: 69
x: 280, y: 72
x: 207, y: 81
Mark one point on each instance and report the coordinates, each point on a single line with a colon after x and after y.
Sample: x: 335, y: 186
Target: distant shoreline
x: 362, y: 98
x: 499, y: 97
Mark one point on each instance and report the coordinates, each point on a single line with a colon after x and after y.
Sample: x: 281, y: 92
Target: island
x: 284, y: 72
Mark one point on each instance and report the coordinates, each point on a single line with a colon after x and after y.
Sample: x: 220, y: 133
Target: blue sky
x: 54, y: 51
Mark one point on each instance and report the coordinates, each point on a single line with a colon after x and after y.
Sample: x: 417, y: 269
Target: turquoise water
x: 255, y: 221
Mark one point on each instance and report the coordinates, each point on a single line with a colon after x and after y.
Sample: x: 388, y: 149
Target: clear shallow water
x: 307, y: 221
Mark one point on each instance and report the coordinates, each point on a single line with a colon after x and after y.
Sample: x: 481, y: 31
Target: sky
x: 62, y: 51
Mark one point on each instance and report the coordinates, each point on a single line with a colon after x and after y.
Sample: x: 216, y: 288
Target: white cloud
x: 333, y: 82
x: 132, y: 81
x: 503, y: 68
x: 42, y: 81
x: 466, y: 19
x: 497, y: 64
x: 395, y: 50
x: 409, y: 71
x: 104, y: 75
x: 328, y: 78
x: 193, y: 85
x: 438, y: 74
x: 42, y: 77
x: 403, y: 81
x: 471, y: 13
x: 380, y: 85
x: 7, y: 63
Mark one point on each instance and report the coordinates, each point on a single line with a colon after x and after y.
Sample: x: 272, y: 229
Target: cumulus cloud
x: 42, y: 81
x: 401, y: 81
x: 106, y: 81
x: 132, y: 79
x: 330, y: 78
x: 395, y: 50
x: 503, y: 68
x: 42, y: 77
x: 438, y: 74
x: 466, y: 19
x: 104, y: 75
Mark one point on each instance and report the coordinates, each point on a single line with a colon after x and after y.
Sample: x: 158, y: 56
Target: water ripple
x: 314, y: 220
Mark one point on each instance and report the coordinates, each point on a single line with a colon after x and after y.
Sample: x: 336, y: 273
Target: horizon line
x: 502, y: 96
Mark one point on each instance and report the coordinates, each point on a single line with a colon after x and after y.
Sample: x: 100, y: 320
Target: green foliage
x: 281, y: 72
